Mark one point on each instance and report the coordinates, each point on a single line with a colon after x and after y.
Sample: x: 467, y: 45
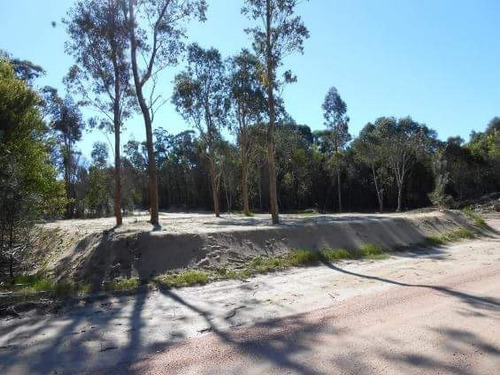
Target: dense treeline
x: 377, y: 172
x: 244, y: 152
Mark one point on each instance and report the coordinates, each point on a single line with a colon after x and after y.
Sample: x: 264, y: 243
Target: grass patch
x: 264, y: 265
x: 331, y: 255
x: 453, y: 236
x: 366, y: 251
x: 121, y: 285
x: 372, y: 251
x: 475, y: 218
x: 460, y: 234
x: 302, y: 257
x: 29, y: 285
x: 187, y: 278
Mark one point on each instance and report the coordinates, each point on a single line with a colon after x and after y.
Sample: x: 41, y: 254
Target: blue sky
x: 436, y: 60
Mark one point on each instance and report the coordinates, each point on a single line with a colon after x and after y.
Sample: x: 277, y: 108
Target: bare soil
x: 426, y: 311
x: 93, y: 250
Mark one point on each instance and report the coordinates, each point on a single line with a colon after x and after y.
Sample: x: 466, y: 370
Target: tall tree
x: 67, y: 124
x: 337, y: 121
x: 249, y: 105
x: 200, y: 95
x: 403, y: 143
x: 25, y: 70
x: 99, y: 43
x: 280, y: 33
x: 98, y: 194
x: 157, y: 31
x: 29, y: 188
x: 368, y: 152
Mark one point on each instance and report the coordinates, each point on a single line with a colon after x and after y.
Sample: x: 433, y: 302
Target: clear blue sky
x: 436, y: 60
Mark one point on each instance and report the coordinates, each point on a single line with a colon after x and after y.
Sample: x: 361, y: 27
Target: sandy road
x: 431, y: 311
x: 452, y: 326
x: 448, y: 325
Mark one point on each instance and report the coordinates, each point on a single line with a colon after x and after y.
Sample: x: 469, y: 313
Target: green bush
x: 302, y: 257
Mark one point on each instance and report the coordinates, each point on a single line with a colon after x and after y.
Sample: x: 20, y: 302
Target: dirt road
x: 430, y: 311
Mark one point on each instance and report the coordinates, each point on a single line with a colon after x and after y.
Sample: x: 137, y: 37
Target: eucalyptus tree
x: 156, y: 30
x: 403, y: 142
x: 67, y: 125
x: 201, y: 97
x: 99, y: 44
x: 279, y: 33
x: 337, y: 121
x: 25, y: 70
x: 367, y: 151
x: 249, y: 105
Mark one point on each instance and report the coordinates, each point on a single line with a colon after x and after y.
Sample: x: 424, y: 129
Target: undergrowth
x: 453, y: 236
x: 25, y: 286
x: 475, y: 218
x: 186, y: 278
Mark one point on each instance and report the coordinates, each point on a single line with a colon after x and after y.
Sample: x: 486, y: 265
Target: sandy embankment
x: 92, y: 250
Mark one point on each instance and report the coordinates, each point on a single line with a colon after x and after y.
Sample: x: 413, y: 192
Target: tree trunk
x: 339, y: 190
x: 11, y: 244
x: 271, y: 152
x: 244, y: 181
x: 117, y: 125
x: 67, y: 180
x: 118, y: 184
x: 215, y: 189
x: 152, y: 174
x: 400, y: 197
x: 380, y: 193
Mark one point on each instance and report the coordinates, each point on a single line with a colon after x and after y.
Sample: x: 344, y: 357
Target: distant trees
x: 101, y: 77
x: 280, y: 33
x: 337, y: 122
x: 201, y: 96
x: 156, y: 30
x: 119, y: 49
x: 99, y: 192
x: 397, y: 146
x: 368, y: 150
x: 248, y: 107
x: 67, y: 124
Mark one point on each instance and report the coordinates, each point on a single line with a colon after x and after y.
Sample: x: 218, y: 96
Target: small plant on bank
x: 453, y: 236
x: 302, y: 257
x: 121, y: 285
x: 186, y: 278
x: 475, y: 218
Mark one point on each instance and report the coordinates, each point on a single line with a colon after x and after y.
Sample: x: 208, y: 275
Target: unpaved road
x: 432, y: 311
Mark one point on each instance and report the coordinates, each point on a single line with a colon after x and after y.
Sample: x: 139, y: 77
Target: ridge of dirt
x: 93, y: 251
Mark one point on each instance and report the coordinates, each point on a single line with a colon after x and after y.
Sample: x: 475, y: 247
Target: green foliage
x: 99, y: 196
x: 185, y: 278
x: 453, y: 236
x: 369, y: 251
x: 475, y: 218
x: 302, y: 257
x: 33, y: 286
x: 336, y: 119
x: 29, y: 189
x: 121, y: 285
x: 332, y: 255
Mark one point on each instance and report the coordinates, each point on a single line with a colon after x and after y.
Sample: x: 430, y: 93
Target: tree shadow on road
x: 284, y: 337
x: 471, y: 299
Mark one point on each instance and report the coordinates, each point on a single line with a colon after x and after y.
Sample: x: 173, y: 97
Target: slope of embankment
x: 92, y: 251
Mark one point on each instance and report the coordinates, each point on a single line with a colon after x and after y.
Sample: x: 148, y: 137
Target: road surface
x: 430, y: 311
